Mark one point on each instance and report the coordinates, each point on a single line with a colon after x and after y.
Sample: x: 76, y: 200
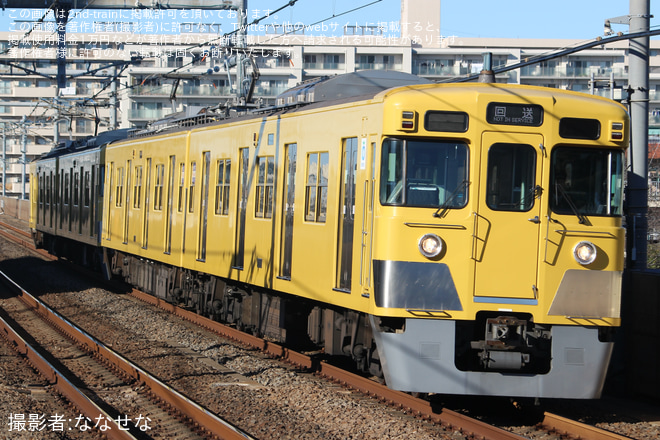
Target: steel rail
x: 15, y: 229
x: 419, y: 407
x: 72, y: 393
x: 201, y: 417
x: 26, y: 244
x: 577, y: 429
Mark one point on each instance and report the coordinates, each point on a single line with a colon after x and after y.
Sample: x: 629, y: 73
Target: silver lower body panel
x: 421, y: 359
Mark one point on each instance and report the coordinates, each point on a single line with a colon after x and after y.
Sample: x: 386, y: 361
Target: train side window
x: 76, y: 189
x: 316, y: 189
x: 511, y: 180
x: 119, y: 190
x: 191, y: 190
x: 41, y: 190
x: 264, y: 190
x: 137, y: 188
x: 222, y: 187
x: 48, y: 190
x: 182, y: 176
x: 86, y: 189
x: 158, y: 187
x: 67, y: 188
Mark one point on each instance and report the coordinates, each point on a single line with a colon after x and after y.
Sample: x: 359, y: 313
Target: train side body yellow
x: 460, y: 239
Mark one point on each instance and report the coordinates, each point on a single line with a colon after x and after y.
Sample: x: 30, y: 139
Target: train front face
x: 498, y: 250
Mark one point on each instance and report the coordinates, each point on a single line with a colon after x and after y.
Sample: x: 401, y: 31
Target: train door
x: 109, y: 201
x: 286, y: 247
x: 51, y: 193
x: 41, y: 205
x: 346, y: 214
x: 77, y: 216
x: 169, y: 210
x: 367, y: 161
x: 126, y: 210
x: 203, y: 210
x: 145, y: 209
x: 508, y: 218
x: 243, y: 176
x: 90, y: 199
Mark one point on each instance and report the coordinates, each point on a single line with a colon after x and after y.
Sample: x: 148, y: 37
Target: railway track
x: 93, y: 378
x: 421, y: 408
x: 572, y: 428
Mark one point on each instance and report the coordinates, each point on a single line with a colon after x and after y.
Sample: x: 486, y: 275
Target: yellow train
x: 461, y: 239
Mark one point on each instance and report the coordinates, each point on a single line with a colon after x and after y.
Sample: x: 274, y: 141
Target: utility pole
x: 638, y: 88
x: 241, y: 46
x: 4, y: 159
x: 23, y: 152
x: 113, y: 99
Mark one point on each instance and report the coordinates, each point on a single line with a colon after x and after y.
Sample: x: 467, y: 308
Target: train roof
x: 317, y: 92
x: 361, y: 84
x: 88, y: 143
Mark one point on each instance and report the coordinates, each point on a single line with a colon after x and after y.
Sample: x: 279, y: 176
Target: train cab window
x: 424, y: 173
x: 586, y: 182
x: 511, y: 184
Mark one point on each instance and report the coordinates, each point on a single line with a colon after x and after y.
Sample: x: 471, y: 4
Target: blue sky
x: 574, y: 19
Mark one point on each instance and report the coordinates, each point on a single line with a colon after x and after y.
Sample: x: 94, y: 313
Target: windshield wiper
x: 447, y: 204
x: 533, y: 193
x: 581, y: 218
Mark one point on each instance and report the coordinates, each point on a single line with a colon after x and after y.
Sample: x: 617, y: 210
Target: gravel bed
x: 267, y: 398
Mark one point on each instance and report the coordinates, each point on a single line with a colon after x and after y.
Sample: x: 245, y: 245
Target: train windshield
x: 586, y: 182
x: 424, y: 173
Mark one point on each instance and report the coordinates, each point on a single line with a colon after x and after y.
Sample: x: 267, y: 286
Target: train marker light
x: 408, y: 119
x: 617, y: 131
x: 430, y: 245
x: 585, y: 253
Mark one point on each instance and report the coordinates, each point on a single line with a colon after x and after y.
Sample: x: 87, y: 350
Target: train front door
x: 508, y: 219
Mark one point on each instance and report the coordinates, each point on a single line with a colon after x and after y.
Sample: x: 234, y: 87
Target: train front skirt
x: 421, y: 359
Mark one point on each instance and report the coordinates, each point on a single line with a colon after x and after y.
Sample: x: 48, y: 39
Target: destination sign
x: 503, y: 113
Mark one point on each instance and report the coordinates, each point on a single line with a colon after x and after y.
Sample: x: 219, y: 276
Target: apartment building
x: 119, y: 79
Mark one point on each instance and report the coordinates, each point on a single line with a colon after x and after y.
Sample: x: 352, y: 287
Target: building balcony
x: 31, y: 92
x: 379, y: 66
x: 324, y: 66
x: 433, y: 69
x: 270, y: 91
x: 162, y: 90
x: 572, y: 72
x: 204, y: 90
x: 147, y: 114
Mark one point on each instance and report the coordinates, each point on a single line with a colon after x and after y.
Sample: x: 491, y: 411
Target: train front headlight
x: 585, y: 252
x: 430, y: 245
